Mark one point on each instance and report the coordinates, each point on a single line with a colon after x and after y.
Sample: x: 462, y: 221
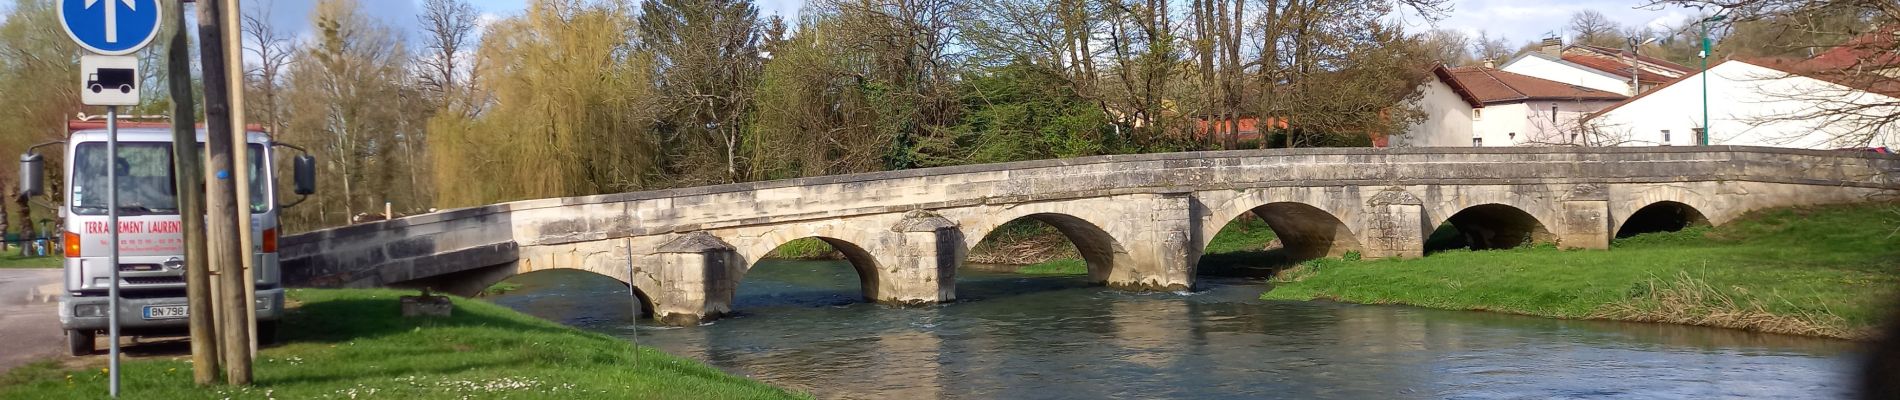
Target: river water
x: 801, y: 326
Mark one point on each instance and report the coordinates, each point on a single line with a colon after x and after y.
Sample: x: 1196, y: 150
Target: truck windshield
x: 145, y: 179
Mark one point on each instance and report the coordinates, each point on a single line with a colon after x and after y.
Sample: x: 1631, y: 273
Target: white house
x: 1750, y: 104
x: 1478, y: 106
x: 1601, y: 68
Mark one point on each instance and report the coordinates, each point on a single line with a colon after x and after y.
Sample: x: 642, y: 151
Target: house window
x: 1477, y: 142
x: 1701, y: 135
x: 1665, y: 140
x: 1477, y: 114
x: 1553, y: 114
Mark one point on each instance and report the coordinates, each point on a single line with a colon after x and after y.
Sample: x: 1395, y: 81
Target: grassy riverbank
x: 1820, y: 271
x: 13, y: 259
x: 354, y: 343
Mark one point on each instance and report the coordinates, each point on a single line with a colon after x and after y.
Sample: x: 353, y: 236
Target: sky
x: 1523, y: 20
x: 296, y: 13
x: 1518, y: 20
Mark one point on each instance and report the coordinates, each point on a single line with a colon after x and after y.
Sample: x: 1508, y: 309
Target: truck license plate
x: 165, y: 312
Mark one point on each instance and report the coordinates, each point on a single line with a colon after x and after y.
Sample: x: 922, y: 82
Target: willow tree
x: 565, y: 107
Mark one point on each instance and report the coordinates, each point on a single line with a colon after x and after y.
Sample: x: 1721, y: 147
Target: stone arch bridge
x: 1140, y: 221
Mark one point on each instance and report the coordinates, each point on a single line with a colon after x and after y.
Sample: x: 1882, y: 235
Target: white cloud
x: 483, y: 21
x: 1521, y: 21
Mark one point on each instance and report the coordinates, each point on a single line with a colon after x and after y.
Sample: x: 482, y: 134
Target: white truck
x: 151, y: 239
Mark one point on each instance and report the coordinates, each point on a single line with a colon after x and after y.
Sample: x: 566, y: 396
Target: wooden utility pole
x: 221, y: 200
x: 187, y: 174
x: 241, y: 154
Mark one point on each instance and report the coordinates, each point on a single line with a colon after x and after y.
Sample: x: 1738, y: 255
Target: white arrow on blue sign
x: 111, y: 27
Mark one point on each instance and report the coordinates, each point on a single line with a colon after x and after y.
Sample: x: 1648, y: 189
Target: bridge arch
x: 1661, y: 216
x: 1304, y: 230
x: 1492, y: 226
x: 1101, y: 250
x: 1624, y: 208
x: 606, y: 259
x: 861, y: 260
x: 644, y: 301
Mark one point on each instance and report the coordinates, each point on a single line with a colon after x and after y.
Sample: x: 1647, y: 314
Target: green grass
x: 1243, y: 235
x: 810, y: 248
x: 12, y: 259
x: 353, y: 343
x: 1825, y: 271
x: 1239, y: 250
x: 500, y: 288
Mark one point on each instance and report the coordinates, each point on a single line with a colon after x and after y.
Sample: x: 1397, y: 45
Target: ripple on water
x: 1050, y: 338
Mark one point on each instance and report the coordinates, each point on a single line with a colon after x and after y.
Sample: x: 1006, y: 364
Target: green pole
x: 1707, y: 50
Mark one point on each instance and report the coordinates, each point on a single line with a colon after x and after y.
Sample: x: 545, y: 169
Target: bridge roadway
x: 1140, y: 221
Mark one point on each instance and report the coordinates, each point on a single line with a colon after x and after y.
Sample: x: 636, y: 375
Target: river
x: 801, y: 326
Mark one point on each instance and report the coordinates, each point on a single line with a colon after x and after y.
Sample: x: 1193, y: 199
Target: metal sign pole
x: 111, y: 79
x: 631, y: 295
x: 112, y: 219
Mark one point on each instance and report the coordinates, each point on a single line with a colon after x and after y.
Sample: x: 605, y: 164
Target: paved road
x: 29, y: 316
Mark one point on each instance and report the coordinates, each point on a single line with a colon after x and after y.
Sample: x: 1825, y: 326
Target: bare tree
x: 448, y: 27
x: 273, y: 50
x: 1494, y: 49
x: 1858, y: 57
x: 1448, y: 46
x: 1593, y: 28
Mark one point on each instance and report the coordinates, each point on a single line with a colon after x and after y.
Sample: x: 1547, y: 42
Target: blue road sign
x: 111, y: 27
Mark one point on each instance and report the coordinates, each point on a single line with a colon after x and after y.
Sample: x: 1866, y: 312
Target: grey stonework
x: 1140, y: 221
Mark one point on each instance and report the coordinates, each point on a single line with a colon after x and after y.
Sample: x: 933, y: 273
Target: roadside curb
x: 43, y: 293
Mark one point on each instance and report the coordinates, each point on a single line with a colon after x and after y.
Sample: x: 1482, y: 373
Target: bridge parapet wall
x: 555, y: 221
x: 1154, y: 212
x: 391, y: 252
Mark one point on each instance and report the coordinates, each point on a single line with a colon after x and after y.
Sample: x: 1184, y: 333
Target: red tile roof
x: 1853, y: 76
x: 1873, y: 51
x: 1481, y: 86
x: 1620, y: 68
x: 1658, y: 62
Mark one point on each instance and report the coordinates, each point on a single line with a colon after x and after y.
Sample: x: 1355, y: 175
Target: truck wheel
x: 98, y: 88
x: 80, y: 342
x: 125, y: 88
x: 266, y: 333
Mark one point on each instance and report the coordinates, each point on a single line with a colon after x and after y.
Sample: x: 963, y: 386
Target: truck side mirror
x: 304, y: 174
x: 32, y: 174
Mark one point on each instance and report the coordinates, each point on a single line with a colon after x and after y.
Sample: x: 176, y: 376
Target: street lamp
x: 1706, y: 132
x: 1636, y: 64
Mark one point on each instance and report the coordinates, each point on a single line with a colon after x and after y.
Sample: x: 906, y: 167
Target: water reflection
x: 801, y: 326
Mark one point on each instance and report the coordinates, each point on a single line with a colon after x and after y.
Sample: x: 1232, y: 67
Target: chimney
x: 1489, y: 65
x: 1554, y: 46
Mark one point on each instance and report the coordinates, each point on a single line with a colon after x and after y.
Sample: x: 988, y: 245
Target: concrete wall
x: 1141, y: 221
x: 1447, y: 119
x: 1533, y: 125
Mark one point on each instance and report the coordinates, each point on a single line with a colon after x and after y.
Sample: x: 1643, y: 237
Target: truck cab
x: 152, y: 299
